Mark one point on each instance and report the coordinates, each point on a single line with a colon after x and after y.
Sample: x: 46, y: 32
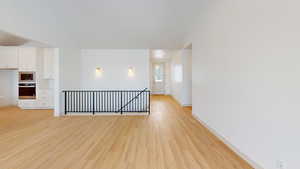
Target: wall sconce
x: 131, y: 71
x: 99, y: 71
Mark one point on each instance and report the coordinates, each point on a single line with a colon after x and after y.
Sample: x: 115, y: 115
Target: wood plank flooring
x: 169, y: 138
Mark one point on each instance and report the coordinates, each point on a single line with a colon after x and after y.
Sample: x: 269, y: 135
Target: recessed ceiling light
x: 159, y: 54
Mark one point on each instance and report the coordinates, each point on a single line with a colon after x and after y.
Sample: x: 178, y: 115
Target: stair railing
x: 131, y: 100
x: 106, y: 101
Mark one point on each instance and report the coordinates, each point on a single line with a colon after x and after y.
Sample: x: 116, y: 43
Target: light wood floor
x: 169, y: 138
x: 188, y: 110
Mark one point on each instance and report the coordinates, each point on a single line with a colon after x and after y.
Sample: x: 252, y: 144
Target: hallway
x: 169, y: 138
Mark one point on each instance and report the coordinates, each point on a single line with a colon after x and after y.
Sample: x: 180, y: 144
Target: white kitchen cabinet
x: 8, y: 57
x: 27, y: 104
x: 27, y: 59
x: 48, y: 63
x: 45, y: 99
x: 40, y: 61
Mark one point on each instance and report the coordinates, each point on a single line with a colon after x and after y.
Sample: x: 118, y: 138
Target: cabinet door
x: 8, y: 57
x: 2, y: 58
x: 45, y: 99
x: 48, y: 63
x: 27, y: 104
x: 27, y: 59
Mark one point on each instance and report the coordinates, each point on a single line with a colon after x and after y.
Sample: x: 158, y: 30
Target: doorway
x: 160, y: 71
x: 158, y: 78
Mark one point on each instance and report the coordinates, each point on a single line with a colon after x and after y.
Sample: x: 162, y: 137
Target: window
x: 158, y: 72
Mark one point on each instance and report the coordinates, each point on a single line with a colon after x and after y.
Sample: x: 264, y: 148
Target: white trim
x: 228, y: 144
x: 135, y: 114
x: 158, y: 93
x: 56, y: 84
x: 182, y: 105
x: 186, y: 105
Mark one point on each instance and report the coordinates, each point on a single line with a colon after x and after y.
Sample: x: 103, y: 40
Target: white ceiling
x: 7, y: 39
x: 100, y: 23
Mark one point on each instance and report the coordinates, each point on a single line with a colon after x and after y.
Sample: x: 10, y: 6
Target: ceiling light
x: 159, y: 54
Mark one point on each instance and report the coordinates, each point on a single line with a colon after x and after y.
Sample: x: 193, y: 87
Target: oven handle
x: 26, y: 86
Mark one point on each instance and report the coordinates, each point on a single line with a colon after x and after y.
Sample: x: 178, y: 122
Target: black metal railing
x: 106, y: 101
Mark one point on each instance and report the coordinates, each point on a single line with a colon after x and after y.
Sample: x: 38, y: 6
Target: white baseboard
x: 183, y: 105
x: 228, y: 144
x: 106, y: 114
x: 158, y: 93
x: 36, y: 108
x: 186, y: 105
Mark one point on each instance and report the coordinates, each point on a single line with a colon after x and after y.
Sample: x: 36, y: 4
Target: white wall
x: 187, y: 77
x: 182, y: 89
x: 8, y: 89
x: 176, y: 85
x: 69, y: 68
x: 77, y: 69
x: 115, y: 64
x: 68, y: 64
x: 246, y: 81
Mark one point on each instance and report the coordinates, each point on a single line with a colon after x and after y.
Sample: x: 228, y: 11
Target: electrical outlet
x: 281, y: 164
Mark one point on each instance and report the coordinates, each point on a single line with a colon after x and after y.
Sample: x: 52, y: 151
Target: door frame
x: 163, y: 92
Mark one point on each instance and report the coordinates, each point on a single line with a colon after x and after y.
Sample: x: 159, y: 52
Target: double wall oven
x: 27, y: 85
x: 27, y: 77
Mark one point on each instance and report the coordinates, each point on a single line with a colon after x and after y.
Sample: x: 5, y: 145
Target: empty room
x: 149, y: 84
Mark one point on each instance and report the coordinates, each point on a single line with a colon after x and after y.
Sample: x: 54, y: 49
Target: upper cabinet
x: 48, y: 64
x: 8, y: 57
x: 27, y: 59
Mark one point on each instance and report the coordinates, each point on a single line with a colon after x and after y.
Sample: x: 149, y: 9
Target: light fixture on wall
x: 99, y: 71
x: 131, y: 71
